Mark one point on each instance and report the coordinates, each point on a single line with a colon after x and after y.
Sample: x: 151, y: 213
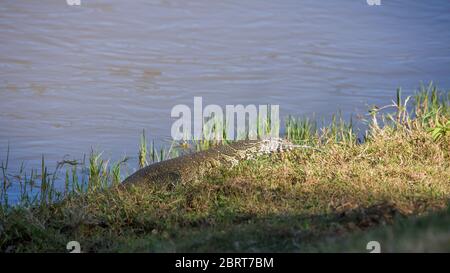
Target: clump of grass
x: 339, y: 131
x: 153, y: 154
x: 429, y: 100
x: 301, y: 130
x: 38, y: 189
x: 306, y: 131
x: 432, y: 110
x: 143, y: 151
x: 97, y: 171
x: 116, y: 171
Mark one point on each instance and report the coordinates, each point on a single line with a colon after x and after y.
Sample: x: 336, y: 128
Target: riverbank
x: 391, y: 186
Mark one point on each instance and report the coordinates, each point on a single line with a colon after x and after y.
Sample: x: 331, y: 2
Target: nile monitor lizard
x: 192, y: 166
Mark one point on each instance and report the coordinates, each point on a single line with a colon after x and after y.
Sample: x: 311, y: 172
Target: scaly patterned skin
x: 192, y: 166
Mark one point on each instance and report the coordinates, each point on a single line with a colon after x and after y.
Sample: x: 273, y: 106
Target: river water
x: 95, y: 75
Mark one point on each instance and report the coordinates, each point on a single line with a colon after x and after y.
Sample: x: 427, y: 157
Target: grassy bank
x: 389, y: 184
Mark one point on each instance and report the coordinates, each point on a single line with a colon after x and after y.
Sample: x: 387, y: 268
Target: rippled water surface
x: 72, y: 78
